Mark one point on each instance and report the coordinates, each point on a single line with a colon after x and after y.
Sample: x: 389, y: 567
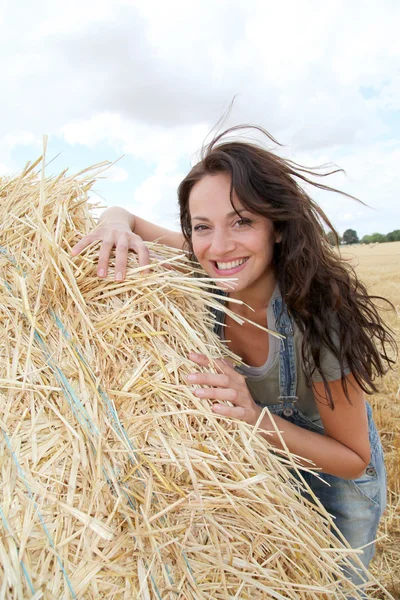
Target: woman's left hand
x: 227, y: 386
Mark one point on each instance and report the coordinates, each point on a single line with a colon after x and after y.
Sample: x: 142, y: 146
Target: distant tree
x: 332, y: 239
x: 350, y: 237
x: 366, y: 239
x: 393, y: 236
x: 378, y: 238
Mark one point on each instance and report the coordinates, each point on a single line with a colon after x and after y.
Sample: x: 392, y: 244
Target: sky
x: 146, y: 82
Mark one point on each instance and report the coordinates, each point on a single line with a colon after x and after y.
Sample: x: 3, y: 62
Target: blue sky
x: 148, y: 81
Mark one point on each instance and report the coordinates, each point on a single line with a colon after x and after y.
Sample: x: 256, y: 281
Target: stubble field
x: 378, y: 267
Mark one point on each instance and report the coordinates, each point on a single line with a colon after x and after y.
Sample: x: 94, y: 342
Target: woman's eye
x: 238, y: 223
x: 242, y: 222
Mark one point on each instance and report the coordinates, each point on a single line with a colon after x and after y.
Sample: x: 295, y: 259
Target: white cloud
x: 372, y: 176
x: 4, y: 170
x: 17, y: 138
x: 116, y: 174
x: 347, y: 217
x: 20, y: 138
x: 168, y: 64
x: 158, y: 145
x: 389, y: 96
x: 151, y: 78
x: 156, y: 199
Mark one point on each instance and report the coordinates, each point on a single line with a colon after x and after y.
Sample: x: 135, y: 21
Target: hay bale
x: 116, y: 481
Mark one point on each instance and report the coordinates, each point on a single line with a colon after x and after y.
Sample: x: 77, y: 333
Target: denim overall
x: 356, y: 505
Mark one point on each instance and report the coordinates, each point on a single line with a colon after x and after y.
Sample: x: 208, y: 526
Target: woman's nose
x: 221, y: 243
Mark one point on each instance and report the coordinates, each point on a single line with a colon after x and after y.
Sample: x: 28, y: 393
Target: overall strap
x: 218, y: 314
x: 287, y: 353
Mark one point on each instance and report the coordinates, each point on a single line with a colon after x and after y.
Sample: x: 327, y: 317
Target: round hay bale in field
x: 116, y: 481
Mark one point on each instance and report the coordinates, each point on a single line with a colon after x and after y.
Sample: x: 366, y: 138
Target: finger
x: 199, y: 359
x: 233, y: 412
x: 104, y: 258
x: 225, y: 364
x: 227, y: 367
x: 225, y: 395
x: 81, y: 245
x: 143, y: 255
x: 121, y: 259
x: 212, y: 379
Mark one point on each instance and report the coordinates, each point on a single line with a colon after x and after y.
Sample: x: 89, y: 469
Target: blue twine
x: 114, y: 417
x: 21, y: 562
x: 112, y: 413
x: 12, y: 260
x: 35, y: 504
x: 7, y: 285
x: 119, y: 426
x: 154, y: 583
x: 78, y: 409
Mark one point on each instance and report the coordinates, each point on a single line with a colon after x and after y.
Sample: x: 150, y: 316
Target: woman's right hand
x: 114, y: 235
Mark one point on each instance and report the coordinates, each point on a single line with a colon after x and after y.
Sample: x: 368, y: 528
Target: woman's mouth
x: 229, y: 267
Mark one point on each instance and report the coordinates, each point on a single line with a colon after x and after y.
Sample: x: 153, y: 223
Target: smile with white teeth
x: 224, y: 266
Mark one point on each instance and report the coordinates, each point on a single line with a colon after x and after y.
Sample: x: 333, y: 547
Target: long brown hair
x: 322, y: 292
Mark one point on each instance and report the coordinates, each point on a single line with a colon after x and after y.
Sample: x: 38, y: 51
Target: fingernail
x: 200, y: 392
x: 191, y: 377
x: 194, y: 354
x: 102, y: 273
x: 118, y: 276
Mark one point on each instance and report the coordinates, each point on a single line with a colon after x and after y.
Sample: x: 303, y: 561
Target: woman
x: 244, y: 216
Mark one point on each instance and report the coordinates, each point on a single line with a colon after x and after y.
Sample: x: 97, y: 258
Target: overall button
x: 287, y: 412
x: 370, y: 471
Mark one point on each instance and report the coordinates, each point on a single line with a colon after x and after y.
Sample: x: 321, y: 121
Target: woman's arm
x: 342, y: 451
x: 119, y: 228
x: 149, y: 232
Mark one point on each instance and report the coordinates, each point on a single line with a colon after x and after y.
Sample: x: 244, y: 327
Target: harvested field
x: 379, y: 267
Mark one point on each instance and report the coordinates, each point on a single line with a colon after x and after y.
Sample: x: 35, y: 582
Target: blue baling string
x: 114, y: 415
x: 83, y: 417
x: 110, y: 408
x: 76, y: 405
x: 7, y: 527
x: 35, y: 504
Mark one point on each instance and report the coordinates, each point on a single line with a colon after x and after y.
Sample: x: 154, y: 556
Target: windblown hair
x: 330, y: 305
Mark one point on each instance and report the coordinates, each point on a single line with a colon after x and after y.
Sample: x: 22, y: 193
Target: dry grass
x: 379, y: 267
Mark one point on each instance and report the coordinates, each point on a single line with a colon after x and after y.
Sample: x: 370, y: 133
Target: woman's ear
x: 277, y: 234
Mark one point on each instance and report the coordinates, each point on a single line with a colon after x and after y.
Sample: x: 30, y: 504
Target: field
x: 378, y: 267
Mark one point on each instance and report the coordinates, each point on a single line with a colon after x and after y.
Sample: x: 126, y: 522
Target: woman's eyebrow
x: 228, y: 216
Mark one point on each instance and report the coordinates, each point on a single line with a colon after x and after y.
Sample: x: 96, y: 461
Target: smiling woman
x: 244, y: 215
x: 230, y: 242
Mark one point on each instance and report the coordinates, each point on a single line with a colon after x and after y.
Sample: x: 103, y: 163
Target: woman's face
x: 226, y: 244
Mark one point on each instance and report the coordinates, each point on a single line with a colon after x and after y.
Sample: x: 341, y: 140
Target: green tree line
x: 350, y: 237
